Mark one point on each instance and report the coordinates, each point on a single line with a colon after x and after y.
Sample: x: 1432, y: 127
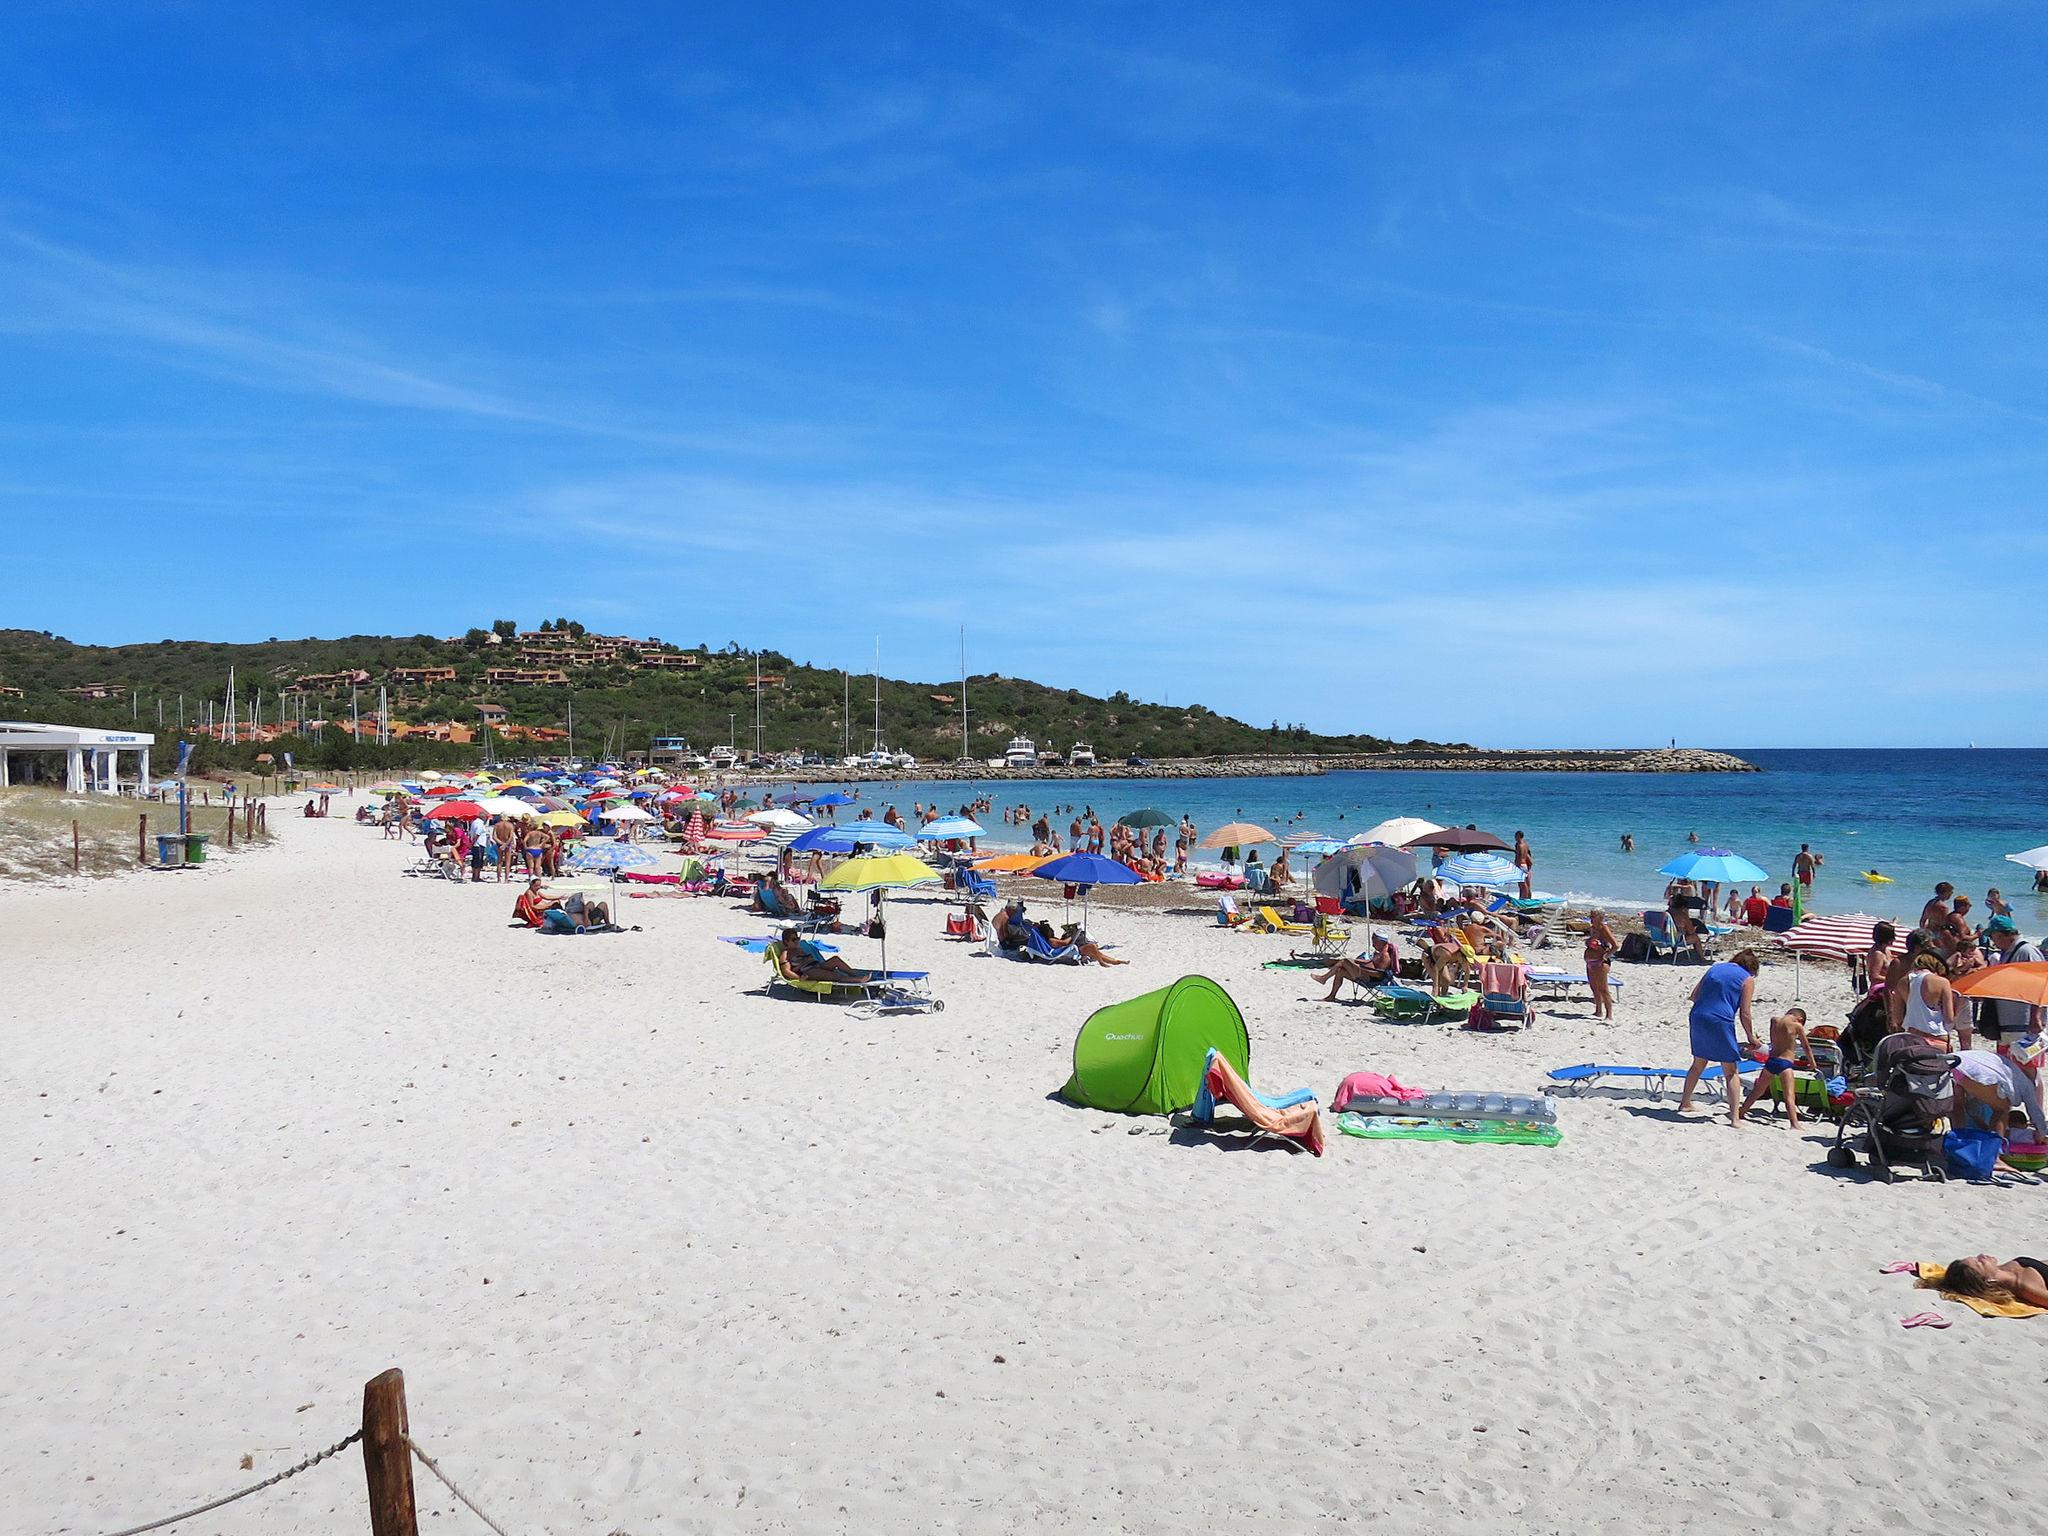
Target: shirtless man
x: 505, y: 837
x: 1525, y: 861
x: 1788, y: 1034
x: 1805, y: 864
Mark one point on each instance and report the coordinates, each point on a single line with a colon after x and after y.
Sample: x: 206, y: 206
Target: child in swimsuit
x: 1788, y: 1033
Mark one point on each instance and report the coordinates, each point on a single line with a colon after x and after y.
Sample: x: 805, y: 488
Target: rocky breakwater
x: 1653, y: 760
x: 1439, y: 759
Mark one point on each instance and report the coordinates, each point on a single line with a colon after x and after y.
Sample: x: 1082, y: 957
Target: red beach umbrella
x: 451, y: 810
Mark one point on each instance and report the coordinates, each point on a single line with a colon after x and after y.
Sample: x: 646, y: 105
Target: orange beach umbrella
x: 2023, y: 981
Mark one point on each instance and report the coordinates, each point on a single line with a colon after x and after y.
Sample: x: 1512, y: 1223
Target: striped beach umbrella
x: 1484, y: 868
x: 1836, y: 938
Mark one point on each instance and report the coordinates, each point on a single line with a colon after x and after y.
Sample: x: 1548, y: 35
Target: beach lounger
x: 885, y: 992
x: 1294, y: 1116
x: 1589, y: 1076
x: 1554, y: 983
x: 1504, y: 994
x: 1267, y: 920
x: 1657, y: 929
x: 1398, y: 1001
x: 1038, y: 947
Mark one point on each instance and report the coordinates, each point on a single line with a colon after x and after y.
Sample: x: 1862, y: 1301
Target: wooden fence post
x: 387, y: 1456
x: 231, y: 824
x: 142, y: 838
x: 74, y: 847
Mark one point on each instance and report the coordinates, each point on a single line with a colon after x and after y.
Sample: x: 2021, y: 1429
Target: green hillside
x: 616, y: 703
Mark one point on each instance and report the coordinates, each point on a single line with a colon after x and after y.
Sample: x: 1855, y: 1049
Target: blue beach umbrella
x: 1716, y: 864
x: 1087, y: 870
x: 948, y: 828
x: 1487, y: 869
x: 869, y: 834
x: 837, y: 797
x: 597, y: 855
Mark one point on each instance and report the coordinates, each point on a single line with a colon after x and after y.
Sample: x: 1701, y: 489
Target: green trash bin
x: 170, y: 850
x: 195, y: 847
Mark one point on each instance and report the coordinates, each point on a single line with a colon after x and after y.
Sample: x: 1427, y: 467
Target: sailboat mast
x: 963, y: 693
x: 878, y: 694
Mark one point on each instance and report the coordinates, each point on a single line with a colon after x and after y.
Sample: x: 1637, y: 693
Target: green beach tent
x: 1145, y: 1056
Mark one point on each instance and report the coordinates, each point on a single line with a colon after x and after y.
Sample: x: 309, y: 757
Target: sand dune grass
x: 35, y: 832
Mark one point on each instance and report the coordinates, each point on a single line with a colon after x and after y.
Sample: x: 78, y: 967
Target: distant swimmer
x: 1628, y: 842
x: 1875, y: 878
x: 1692, y: 837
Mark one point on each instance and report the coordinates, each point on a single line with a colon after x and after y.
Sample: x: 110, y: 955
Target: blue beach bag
x: 1971, y: 1153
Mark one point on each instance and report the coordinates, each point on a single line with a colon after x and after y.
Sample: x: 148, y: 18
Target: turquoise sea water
x: 1918, y: 816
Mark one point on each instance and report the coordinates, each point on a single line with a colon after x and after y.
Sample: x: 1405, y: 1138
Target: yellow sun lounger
x: 1270, y: 921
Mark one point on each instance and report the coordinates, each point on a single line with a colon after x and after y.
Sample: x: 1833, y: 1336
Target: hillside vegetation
x: 617, y: 704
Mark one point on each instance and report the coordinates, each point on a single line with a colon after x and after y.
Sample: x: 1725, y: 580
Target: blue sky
x: 1522, y: 373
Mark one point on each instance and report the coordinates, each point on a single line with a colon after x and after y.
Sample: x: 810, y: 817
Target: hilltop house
x: 519, y: 677
x: 422, y: 675
x: 329, y: 682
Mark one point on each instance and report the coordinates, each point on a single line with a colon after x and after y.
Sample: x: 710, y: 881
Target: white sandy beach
x: 658, y: 1253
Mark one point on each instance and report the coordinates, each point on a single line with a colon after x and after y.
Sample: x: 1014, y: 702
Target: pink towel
x: 1374, y: 1085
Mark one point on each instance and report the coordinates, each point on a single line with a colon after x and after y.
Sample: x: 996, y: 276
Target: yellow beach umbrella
x: 560, y: 819
x: 880, y: 873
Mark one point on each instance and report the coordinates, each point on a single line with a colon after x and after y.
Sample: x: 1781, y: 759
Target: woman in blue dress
x: 1721, y: 999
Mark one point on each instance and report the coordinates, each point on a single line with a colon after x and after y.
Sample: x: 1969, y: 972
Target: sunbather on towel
x: 810, y: 963
x: 533, y: 905
x: 1011, y: 934
x: 2021, y: 1280
x: 1383, y: 963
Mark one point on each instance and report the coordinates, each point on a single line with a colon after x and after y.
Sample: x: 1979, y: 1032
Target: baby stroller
x: 1897, y: 1117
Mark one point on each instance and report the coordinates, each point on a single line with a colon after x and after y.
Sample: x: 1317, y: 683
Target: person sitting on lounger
x: 773, y: 898
x: 1015, y: 930
x: 807, y: 962
x: 1382, y: 963
x: 2023, y: 1280
x: 533, y: 905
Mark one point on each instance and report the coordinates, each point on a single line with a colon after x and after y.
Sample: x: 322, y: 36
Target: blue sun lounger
x: 1586, y: 1076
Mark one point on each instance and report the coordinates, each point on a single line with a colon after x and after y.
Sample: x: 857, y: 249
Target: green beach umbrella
x: 1148, y: 817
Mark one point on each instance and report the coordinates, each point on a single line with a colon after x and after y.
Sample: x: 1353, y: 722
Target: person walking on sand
x: 1721, y: 999
x: 1788, y: 1034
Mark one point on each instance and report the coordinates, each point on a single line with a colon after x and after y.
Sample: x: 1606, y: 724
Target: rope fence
x: 308, y: 1464
x: 386, y: 1442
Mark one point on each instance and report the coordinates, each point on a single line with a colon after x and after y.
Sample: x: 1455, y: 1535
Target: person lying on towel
x: 807, y: 962
x: 2022, y: 1280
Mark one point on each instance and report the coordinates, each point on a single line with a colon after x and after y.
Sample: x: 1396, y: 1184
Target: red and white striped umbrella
x: 1836, y: 938
x: 693, y: 834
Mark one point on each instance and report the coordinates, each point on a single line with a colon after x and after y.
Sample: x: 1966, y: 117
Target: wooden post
x: 231, y: 826
x: 387, y: 1456
x: 74, y: 847
x: 142, y: 838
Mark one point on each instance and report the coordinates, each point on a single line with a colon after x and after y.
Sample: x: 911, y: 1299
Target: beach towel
x: 1930, y: 1280
x: 1372, y: 1085
x: 1297, y: 1122
x: 530, y: 910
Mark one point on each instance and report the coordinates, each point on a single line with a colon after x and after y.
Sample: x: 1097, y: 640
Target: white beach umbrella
x: 777, y: 819
x: 505, y: 805
x: 2033, y: 858
x: 624, y: 813
x: 1396, y: 830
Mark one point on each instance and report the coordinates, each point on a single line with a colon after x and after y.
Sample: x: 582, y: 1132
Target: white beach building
x: 91, y: 758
